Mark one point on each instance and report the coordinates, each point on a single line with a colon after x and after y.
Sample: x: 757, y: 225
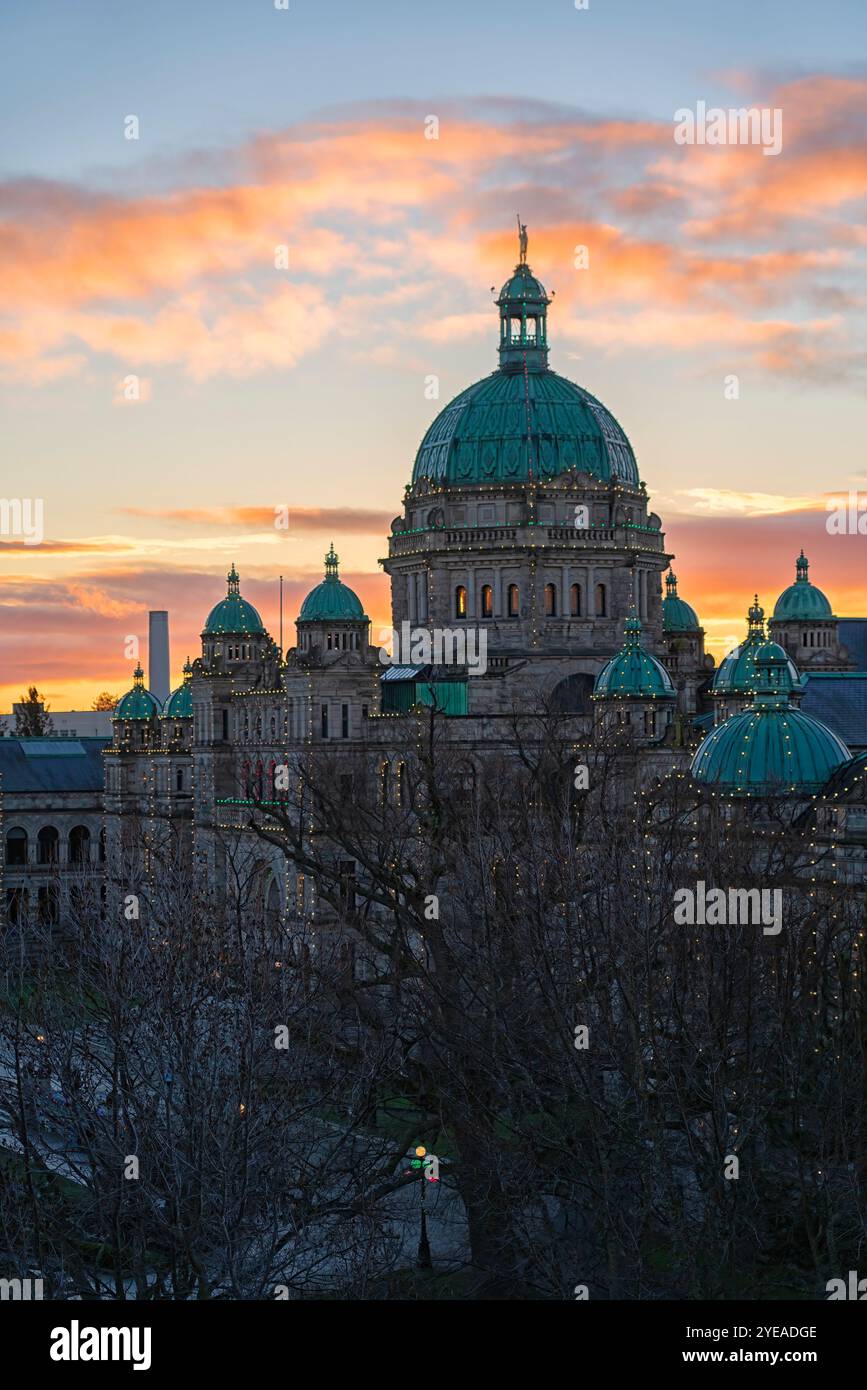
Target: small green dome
x: 736, y: 673
x: 633, y: 674
x: 523, y: 285
x: 137, y: 703
x: 770, y: 748
x: 233, y: 614
x: 677, y: 615
x: 179, y: 705
x: 332, y: 600
x: 802, y: 600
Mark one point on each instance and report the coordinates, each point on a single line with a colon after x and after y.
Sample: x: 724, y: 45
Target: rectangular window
x: 344, y: 721
x: 324, y: 721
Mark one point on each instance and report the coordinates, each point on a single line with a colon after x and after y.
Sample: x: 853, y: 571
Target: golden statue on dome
x: 522, y: 240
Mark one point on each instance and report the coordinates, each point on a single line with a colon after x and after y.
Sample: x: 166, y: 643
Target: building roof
x: 839, y: 699
x: 332, y: 600
x: 137, y: 703
x: 736, y: 673
x: 770, y: 748
x: 633, y: 674
x: 677, y: 615
x: 802, y: 600
x: 233, y: 615
x: 51, y: 764
x: 523, y: 420
x: 179, y: 705
x: 852, y: 632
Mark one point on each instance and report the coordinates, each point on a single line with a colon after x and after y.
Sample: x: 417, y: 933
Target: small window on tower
x: 514, y: 601
x: 487, y: 601
x: 460, y: 602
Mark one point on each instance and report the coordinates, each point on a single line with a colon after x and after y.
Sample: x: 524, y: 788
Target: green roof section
x: 770, y: 748
x: 179, y: 705
x: 802, y: 601
x: 736, y: 673
x: 677, y: 615
x: 633, y: 674
x: 233, y: 615
x: 332, y: 600
x: 448, y: 697
x: 137, y: 703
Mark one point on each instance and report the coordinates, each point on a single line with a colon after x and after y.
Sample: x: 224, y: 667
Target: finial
x: 233, y: 580
x: 802, y: 564
x: 188, y: 669
x: 671, y: 583
x: 331, y: 562
x: 756, y: 616
x: 138, y: 674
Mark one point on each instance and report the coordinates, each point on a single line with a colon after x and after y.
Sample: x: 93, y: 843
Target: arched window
x: 79, y: 845
x: 550, y: 600
x: 16, y: 846
x: 460, y: 602
x: 514, y: 601
x: 575, y: 601
x: 46, y: 846
x: 487, y: 601
x: 601, y: 601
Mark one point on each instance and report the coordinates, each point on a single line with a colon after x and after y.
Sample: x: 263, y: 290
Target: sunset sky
x: 304, y: 387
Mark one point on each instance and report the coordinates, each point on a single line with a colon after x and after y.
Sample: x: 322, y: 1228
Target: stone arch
x: 572, y: 694
x: 16, y: 846
x: 79, y: 845
x: 48, y: 845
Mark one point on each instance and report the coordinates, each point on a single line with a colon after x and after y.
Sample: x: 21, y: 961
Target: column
x: 590, y: 583
x: 471, y: 593
x: 498, y: 593
x: 410, y: 598
x: 565, y: 608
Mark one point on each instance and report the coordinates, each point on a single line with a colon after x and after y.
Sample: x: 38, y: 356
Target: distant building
x: 70, y: 723
x: 51, y: 792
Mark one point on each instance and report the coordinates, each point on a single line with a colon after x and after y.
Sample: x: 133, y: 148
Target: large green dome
x: 524, y: 420
x: 677, y: 615
x: 633, y: 674
x: 802, y: 600
x: 332, y: 600
x: 137, y: 703
x: 233, y: 614
x: 506, y: 426
x: 770, y: 748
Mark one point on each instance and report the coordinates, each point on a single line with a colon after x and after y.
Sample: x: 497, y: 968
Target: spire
x: 138, y: 675
x: 331, y: 561
x: 188, y: 670
x: 756, y: 619
x: 802, y: 564
x: 233, y: 580
x: 671, y: 584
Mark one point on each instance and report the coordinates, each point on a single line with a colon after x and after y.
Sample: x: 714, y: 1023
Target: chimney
x: 158, y: 655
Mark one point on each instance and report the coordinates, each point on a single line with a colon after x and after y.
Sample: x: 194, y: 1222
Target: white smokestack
x: 158, y: 655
